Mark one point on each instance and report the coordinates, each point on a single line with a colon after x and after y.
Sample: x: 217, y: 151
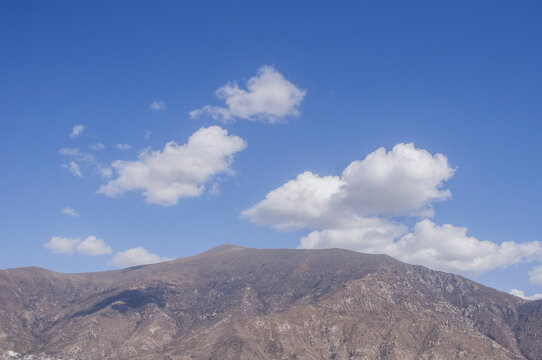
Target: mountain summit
x: 239, y: 303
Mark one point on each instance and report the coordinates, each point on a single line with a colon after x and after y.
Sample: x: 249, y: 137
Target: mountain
x: 239, y: 303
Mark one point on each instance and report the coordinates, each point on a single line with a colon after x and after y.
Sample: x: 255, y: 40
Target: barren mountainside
x: 239, y: 303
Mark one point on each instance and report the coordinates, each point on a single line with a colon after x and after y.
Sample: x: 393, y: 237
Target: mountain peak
x: 226, y: 247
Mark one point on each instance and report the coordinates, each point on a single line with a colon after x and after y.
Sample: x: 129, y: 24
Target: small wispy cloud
x: 158, y: 105
x: 69, y: 151
x: 81, y: 158
x: 77, y: 130
x: 124, y: 146
x: 97, y: 146
x: 75, y: 169
x: 70, y: 211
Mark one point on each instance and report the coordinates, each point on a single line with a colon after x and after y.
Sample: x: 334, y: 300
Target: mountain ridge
x: 232, y: 302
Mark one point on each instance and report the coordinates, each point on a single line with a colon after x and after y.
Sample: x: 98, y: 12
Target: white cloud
x: 61, y: 245
x: 70, y: 211
x: 305, y: 201
x: 449, y: 248
x: 93, y: 246
x: 369, y: 235
x: 124, y: 146
x: 97, y: 146
x: 77, y: 130
x: 441, y: 247
x: 403, y: 181
x: 90, y: 246
x: 269, y: 97
x: 521, y: 294
x: 75, y: 169
x: 177, y: 171
x: 536, y: 275
x: 158, y: 105
x: 398, y: 182
x: 363, y: 208
x: 135, y: 256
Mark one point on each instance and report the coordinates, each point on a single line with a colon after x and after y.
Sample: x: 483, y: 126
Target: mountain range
x: 240, y: 303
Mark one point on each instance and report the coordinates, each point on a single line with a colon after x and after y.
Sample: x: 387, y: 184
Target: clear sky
x: 135, y: 131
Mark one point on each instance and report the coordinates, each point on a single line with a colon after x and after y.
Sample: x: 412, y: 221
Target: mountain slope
x: 238, y: 303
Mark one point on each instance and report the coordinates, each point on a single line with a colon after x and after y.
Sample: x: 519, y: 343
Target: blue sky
x: 334, y: 83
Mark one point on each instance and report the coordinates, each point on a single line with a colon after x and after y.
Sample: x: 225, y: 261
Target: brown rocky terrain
x: 239, y: 303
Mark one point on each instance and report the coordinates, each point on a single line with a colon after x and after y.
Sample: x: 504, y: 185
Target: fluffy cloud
x: 369, y: 235
x: 77, y: 130
x: 363, y: 208
x: 70, y: 211
x: 158, y: 105
x: 61, y: 245
x: 305, y: 201
x: 521, y: 294
x: 93, y: 246
x: 268, y: 97
x: 443, y: 247
x: 403, y: 181
x: 536, y: 275
x: 90, y: 246
x: 177, y: 171
x: 124, y: 146
x: 135, y: 256
x: 449, y: 248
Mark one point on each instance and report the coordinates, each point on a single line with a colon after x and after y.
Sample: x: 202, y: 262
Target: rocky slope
x: 238, y: 303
